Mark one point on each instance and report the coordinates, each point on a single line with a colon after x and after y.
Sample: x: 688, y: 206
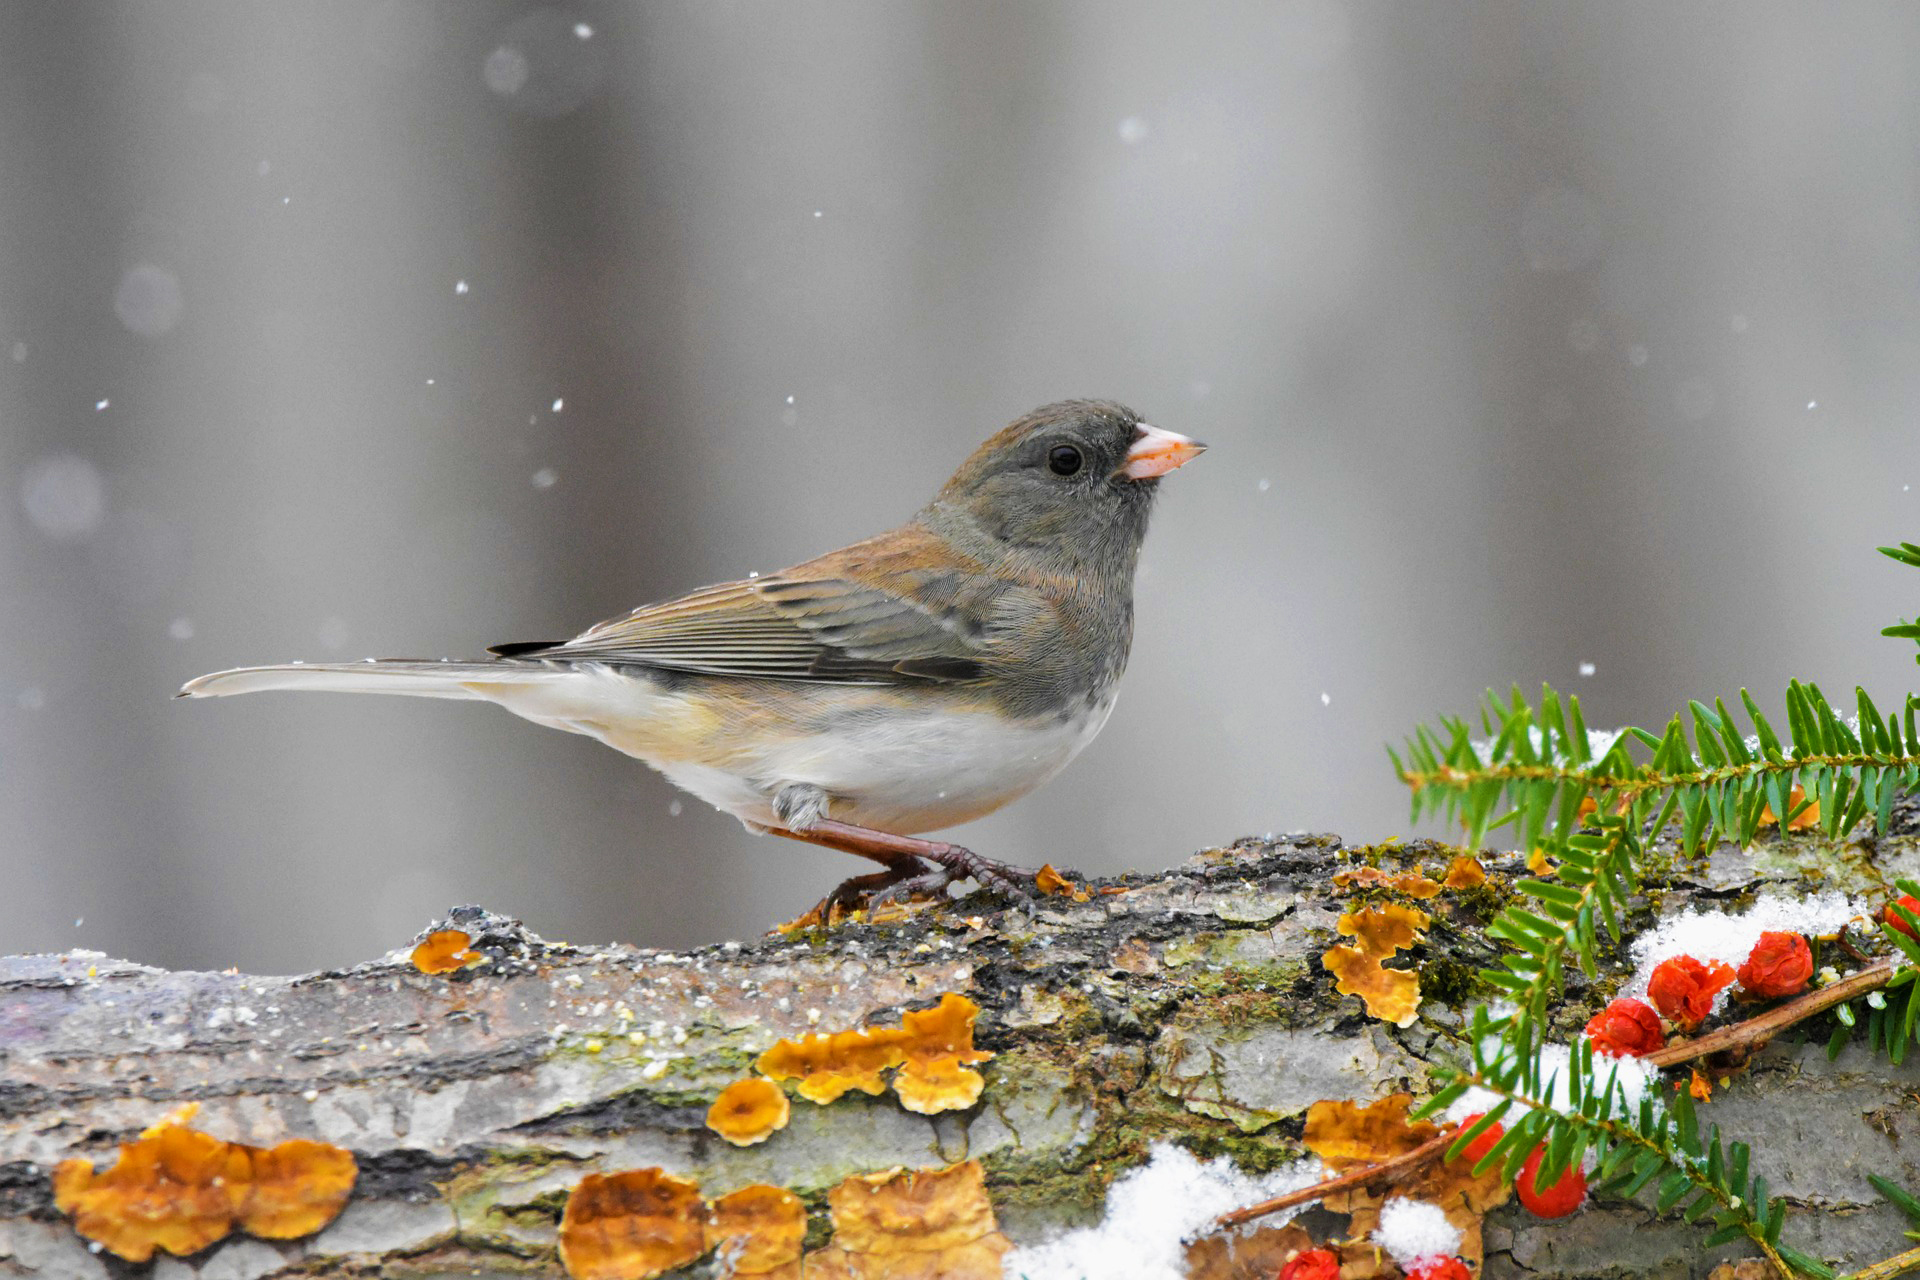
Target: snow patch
x: 1150, y: 1213
x: 1712, y: 935
x: 1414, y: 1231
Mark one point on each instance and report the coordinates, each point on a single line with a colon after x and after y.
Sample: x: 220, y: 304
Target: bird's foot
x: 954, y: 863
x: 908, y: 874
x: 858, y: 893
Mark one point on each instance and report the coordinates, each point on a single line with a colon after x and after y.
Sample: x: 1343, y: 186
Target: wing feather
x: 894, y: 610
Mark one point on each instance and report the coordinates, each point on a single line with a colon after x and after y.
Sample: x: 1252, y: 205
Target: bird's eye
x: 1063, y: 460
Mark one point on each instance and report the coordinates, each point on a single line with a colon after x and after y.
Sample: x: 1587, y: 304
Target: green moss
x: 438, y: 1263
x: 1451, y: 982
x: 1372, y: 855
x: 527, y: 1159
x: 543, y: 1210
x: 1241, y: 1006
x: 1482, y: 902
x: 1261, y: 1152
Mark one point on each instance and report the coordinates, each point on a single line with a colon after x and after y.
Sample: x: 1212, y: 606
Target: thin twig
x: 1898, y: 1265
x: 1760, y: 1029
x: 1854, y: 953
x: 1420, y: 1156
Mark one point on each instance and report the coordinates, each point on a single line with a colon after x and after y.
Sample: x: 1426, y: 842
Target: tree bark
x: 1188, y: 1007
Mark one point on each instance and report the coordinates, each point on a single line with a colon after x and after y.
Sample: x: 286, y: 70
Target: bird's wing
x: 900, y: 608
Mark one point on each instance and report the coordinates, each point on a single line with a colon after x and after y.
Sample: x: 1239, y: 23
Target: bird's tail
x: 419, y: 678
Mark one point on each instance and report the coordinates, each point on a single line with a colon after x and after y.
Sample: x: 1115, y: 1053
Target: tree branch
x: 1186, y: 1007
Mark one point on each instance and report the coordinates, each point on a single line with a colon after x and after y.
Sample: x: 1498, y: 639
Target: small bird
x: 916, y: 680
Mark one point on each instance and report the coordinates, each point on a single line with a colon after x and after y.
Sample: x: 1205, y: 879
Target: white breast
x: 907, y: 774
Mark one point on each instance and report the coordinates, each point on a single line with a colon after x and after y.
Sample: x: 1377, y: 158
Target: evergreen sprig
x: 1900, y: 1198
x: 1586, y: 801
x: 1636, y: 1142
x: 1537, y: 764
x: 1905, y: 553
x: 1583, y: 801
x: 1595, y: 877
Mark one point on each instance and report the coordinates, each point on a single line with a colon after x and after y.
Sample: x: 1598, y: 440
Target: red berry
x: 1682, y: 989
x: 1556, y: 1201
x: 1312, y: 1264
x: 1626, y: 1029
x: 1438, y: 1268
x: 1479, y: 1147
x: 1908, y: 901
x: 1779, y: 965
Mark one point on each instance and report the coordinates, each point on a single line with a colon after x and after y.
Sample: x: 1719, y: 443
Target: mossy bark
x: 1187, y: 1007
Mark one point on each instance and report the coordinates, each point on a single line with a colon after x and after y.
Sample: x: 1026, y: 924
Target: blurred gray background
x: 1534, y: 340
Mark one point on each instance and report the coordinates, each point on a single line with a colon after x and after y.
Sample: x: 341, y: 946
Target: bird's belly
x: 903, y: 773
x: 882, y: 766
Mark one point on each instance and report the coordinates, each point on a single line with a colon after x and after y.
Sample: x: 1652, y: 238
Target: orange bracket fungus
x: 444, y: 951
x: 295, y: 1188
x: 906, y: 1223
x: 932, y: 1048
x: 1392, y: 995
x: 749, y: 1111
x: 939, y: 1045
x: 632, y: 1225
x: 168, y: 1190
x: 1465, y: 872
x: 1414, y: 884
x: 1054, y: 885
x: 827, y: 1066
x: 179, y: 1190
x: 757, y: 1229
x: 1345, y: 1134
x: 644, y: 1223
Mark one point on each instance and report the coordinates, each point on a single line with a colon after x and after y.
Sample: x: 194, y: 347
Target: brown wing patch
x: 893, y: 610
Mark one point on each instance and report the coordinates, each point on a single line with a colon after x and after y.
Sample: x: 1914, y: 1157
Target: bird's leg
x: 951, y: 862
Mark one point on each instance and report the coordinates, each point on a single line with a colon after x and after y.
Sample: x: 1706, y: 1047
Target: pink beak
x: 1156, y: 452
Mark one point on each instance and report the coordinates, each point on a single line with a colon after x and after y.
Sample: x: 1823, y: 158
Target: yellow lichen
x: 757, y: 1230
x: 931, y: 1048
x: 179, y: 1190
x: 905, y: 1223
x: 749, y: 1111
x: 1392, y: 995
x: 632, y: 1226
x: 444, y: 951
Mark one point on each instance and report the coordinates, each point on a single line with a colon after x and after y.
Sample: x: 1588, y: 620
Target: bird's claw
x: 926, y: 877
x: 953, y: 863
